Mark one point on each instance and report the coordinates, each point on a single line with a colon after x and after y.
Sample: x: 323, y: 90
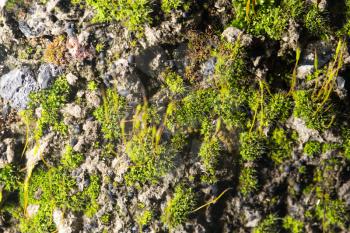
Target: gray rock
x: 16, y: 86
x: 231, y: 34
x: 208, y: 68
x: 39, y: 23
x: 324, y: 55
x: 47, y: 73
x: 340, y: 82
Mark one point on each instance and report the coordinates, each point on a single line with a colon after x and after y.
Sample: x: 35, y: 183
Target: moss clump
x: 193, y: 109
x: 132, y: 14
x: 305, y: 108
x: 279, y: 108
x: 312, y: 148
x: 51, y: 102
x: 294, y: 8
x: 178, y: 208
x: 149, y: 160
x: 174, y: 82
x: 54, y: 189
x: 281, y: 145
x: 252, y: 146
x: 55, y: 51
x: 270, y: 22
x: 248, y: 181
x: 209, y: 154
x: 71, y: 159
x: 293, y: 225
x: 269, y: 225
x: 315, y: 22
x: 169, y: 5
x: 110, y: 114
x: 144, y: 218
x: 9, y: 180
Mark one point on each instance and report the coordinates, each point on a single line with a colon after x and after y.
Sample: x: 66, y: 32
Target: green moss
x: 54, y: 187
x: 92, y: 86
x: 51, y: 102
x: 312, y: 148
x: 149, y: 161
x: 9, y: 181
x: 332, y: 213
x: 178, y: 208
x: 174, y: 82
x: 132, y: 14
x: 248, y: 182
x: 9, y: 178
x: 252, y: 146
x: 193, y: 109
x: 293, y: 225
x: 269, y: 225
x: 144, y: 218
x: 305, y: 108
x: 294, y: 8
x: 209, y: 154
x: 281, y: 145
x: 315, y: 22
x: 169, y: 5
x: 110, y: 113
x: 71, y: 159
x: 90, y: 195
x: 279, y: 108
x: 271, y: 22
x: 106, y: 219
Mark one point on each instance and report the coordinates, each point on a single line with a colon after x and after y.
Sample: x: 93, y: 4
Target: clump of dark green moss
x: 307, y: 109
x: 252, y: 146
x: 209, y: 153
x: 281, y: 145
x: 315, y: 22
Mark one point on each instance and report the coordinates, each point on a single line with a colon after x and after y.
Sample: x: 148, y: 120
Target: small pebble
x: 131, y: 59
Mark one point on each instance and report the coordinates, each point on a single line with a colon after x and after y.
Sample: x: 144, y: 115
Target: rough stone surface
x: 16, y: 86
x: 46, y: 75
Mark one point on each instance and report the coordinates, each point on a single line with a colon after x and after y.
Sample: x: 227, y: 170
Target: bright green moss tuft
x: 252, y: 146
x: 293, y: 225
x: 110, y: 113
x: 9, y: 178
x: 271, y: 22
x: 144, y: 218
x: 312, y: 148
x: 132, y: 14
x: 179, y: 207
x: 248, y: 182
x: 315, y: 22
x: 174, y: 82
x: 54, y: 189
x: 281, y: 146
x: 269, y: 225
x: 306, y: 109
x: 209, y: 154
x: 278, y: 108
x: 169, y: 5
x: 71, y: 159
x: 51, y: 102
